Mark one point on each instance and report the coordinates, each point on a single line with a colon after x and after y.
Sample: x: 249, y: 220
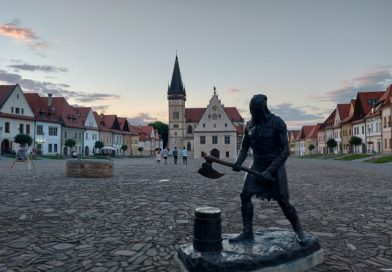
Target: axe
x: 207, y: 171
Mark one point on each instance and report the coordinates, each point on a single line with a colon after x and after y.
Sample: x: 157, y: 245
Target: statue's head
x: 258, y: 107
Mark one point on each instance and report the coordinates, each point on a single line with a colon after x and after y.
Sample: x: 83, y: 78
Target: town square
x: 135, y: 220
x: 204, y: 136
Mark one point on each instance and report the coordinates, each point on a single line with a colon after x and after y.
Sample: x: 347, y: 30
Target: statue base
x: 273, y: 250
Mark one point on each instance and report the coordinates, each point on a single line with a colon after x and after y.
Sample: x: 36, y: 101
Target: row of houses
x: 51, y: 121
x: 367, y: 117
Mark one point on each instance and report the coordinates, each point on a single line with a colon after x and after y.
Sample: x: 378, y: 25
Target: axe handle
x: 230, y: 164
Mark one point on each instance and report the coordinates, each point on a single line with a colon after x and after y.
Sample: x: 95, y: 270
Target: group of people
x: 165, y: 155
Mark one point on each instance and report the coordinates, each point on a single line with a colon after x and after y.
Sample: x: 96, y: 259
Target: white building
x: 91, y: 133
x: 215, y: 133
x: 16, y: 116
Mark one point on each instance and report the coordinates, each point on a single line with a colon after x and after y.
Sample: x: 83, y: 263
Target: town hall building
x: 216, y: 129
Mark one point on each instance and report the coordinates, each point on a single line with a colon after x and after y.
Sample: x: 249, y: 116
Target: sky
x: 118, y: 56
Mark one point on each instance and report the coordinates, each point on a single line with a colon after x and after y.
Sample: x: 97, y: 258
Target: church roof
x: 193, y: 115
x: 176, y: 89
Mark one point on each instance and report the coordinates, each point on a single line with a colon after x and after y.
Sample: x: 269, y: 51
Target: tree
x: 331, y: 143
x: 355, y: 141
x: 311, y: 147
x: 163, y: 129
x: 70, y: 143
x: 124, y: 148
x: 140, y: 149
x: 23, y: 139
x: 99, y: 145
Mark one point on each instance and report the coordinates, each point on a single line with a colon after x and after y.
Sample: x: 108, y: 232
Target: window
x: 214, y: 139
x: 390, y: 143
x: 175, y: 126
x: 227, y: 139
x: 227, y: 154
x: 12, y: 109
x: 385, y: 143
x: 80, y: 135
x: 176, y: 115
x: 53, y: 131
x: 214, y: 125
x: 75, y: 135
x: 190, y: 130
x: 65, y: 134
x: 225, y: 124
x: 363, y: 130
x: 202, y: 139
x: 7, y: 127
x: 50, y: 148
x: 20, y: 128
x: 40, y: 130
x: 55, y: 148
x: 22, y: 110
x: 188, y: 146
x: 86, y: 136
x: 204, y: 125
x: 17, y: 96
x: 17, y: 110
x: 27, y: 129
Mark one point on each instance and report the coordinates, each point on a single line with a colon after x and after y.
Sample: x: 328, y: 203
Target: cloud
x: 40, y: 68
x: 141, y: 119
x: 376, y: 80
x: 100, y: 108
x: 232, y: 91
x: 57, y: 89
x: 26, y: 35
x: 288, y: 112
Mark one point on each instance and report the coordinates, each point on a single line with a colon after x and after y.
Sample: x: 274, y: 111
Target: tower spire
x: 176, y: 89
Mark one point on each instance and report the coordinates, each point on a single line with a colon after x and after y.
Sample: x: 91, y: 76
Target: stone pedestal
x: 273, y: 250
x: 89, y: 168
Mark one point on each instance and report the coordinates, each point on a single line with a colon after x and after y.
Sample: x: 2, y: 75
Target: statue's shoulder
x: 249, y: 125
x: 278, y: 122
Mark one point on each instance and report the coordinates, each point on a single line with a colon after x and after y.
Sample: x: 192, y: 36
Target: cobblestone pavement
x: 134, y: 220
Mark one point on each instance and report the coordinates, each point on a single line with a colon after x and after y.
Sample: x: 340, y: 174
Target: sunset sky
x: 118, y: 56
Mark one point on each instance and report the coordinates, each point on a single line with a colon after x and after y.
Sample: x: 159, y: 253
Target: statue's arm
x: 243, y: 153
x: 283, y: 146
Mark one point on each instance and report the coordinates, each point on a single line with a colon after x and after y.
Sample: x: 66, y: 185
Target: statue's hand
x: 236, y: 167
x: 267, y: 176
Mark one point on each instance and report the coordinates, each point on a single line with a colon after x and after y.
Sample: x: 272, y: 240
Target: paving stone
x: 146, y: 210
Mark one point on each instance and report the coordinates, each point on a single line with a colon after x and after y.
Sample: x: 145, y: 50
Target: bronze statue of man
x: 266, y: 134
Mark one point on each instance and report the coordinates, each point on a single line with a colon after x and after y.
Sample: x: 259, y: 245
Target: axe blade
x: 207, y: 171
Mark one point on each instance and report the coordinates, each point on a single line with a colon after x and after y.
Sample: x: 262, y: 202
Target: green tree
x: 355, y: 141
x: 163, y: 129
x: 311, y: 147
x: 70, y: 143
x: 140, y: 149
x: 124, y: 148
x: 99, y: 145
x: 331, y: 143
x: 23, y: 139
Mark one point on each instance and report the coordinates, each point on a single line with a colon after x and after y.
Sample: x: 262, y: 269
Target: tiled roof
x: 99, y: 118
x: 5, y: 91
x: 329, y: 122
x: 41, y: 110
x: 66, y: 113
x: 386, y: 97
x: 344, y: 110
x: 364, y: 103
x: 305, y: 131
x: 193, y: 115
x: 314, y: 132
x: 82, y: 112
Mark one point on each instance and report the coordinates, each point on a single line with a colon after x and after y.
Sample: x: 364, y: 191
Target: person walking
x: 158, y: 155
x: 165, y: 154
x: 175, y: 154
x: 185, y: 156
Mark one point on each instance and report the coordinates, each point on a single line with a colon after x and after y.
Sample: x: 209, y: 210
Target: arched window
x: 188, y: 146
x: 190, y: 130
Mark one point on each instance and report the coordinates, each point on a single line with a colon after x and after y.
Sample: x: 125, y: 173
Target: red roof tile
x: 305, y: 131
x: 386, y: 97
x: 195, y: 114
x: 5, y: 91
x: 364, y: 103
x: 344, y: 110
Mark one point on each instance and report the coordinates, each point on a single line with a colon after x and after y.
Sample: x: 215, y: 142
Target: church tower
x: 176, y: 96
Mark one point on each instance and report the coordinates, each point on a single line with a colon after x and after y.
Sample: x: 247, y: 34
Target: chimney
x: 50, y: 100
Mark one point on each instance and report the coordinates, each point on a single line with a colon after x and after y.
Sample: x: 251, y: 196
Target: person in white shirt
x: 184, y: 156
